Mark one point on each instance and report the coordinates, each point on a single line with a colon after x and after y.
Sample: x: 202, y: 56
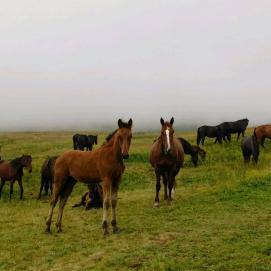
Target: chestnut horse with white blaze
x: 104, y: 164
x: 166, y: 157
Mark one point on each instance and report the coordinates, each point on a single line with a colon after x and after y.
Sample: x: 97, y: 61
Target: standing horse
x: 166, y: 157
x: 209, y: 131
x: 101, y: 165
x: 80, y: 142
x: 262, y: 132
x: 13, y: 171
x: 47, y: 175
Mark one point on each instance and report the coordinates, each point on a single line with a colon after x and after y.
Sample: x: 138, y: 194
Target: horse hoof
x: 116, y: 230
x: 156, y: 204
x: 105, y: 233
x: 48, y: 231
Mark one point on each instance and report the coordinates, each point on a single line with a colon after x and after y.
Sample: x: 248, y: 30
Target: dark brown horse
x: 166, y: 157
x: 47, y: 175
x: 262, y: 132
x: 104, y: 164
x: 13, y: 171
x: 93, y: 198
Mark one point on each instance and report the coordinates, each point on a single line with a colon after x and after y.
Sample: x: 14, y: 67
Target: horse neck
x: 114, y: 146
x: 17, y: 165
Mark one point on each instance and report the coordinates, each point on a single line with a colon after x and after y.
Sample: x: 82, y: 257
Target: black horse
x: 193, y: 151
x: 233, y: 127
x: 208, y: 131
x: 47, y: 175
x: 250, y: 146
x: 80, y: 142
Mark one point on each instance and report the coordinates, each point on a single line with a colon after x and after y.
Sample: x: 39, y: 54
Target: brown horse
x: 262, y: 132
x: 166, y: 157
x: 13, y: 171
x: 47, y: 175
x: 101, y: 165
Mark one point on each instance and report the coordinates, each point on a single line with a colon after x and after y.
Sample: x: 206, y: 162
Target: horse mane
x: 107, y: 139
x: 110, y: 136
x: 16, y: 163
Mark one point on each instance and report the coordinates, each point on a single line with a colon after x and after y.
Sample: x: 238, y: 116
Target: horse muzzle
x: 125, y: 156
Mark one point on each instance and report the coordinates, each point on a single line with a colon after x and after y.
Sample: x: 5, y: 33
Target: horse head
x: 26, y: 161
x: 167, y: 132
x: 124, y: 137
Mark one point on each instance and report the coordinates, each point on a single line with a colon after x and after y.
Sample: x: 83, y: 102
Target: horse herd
x: 106, y: 165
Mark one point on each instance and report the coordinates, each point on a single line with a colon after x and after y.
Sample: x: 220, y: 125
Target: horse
x: 166, y: 157
x: 209, y: 131
x: 262, y: 132
x: 47, y: 175
x: 80, y: 142
x: 228, y: 128
x: 193, y: 151
x: 93, y: 198
x: 13, y: 171
x: 104, y: 164
x: 250, y: 146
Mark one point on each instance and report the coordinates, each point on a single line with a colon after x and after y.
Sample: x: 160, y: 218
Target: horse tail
x: 254, y: 133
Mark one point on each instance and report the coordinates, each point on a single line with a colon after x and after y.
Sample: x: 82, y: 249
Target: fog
x: 81, y: 65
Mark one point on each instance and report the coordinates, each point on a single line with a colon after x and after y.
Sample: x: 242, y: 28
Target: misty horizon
x: 81, y: 65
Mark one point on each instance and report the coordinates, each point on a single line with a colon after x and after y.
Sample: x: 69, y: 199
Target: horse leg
x: 114, y: 197
x: 63, y: 195
x: 262, y: 141
x: 106, y: 203
x: 238, y: 135
x: 165, y: 181
x: 56, y: 191
x: 11, y: 188
x: 158, y: 186
x: 21, y: 188
x: 1, y: 186
x: 202, y: 141
x: 41, y: 187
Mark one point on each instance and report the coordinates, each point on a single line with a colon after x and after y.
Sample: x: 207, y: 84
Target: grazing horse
x: 250, y: 146
x: 47, y: 175
x: 93, y: 198
x: 80, y: 142
x: 233, y: 127
x: 104, y: 164
x: 166, y: 157
x: 209, y: 131
x: 193, y: 151
x: 262, y: 132
x: 13, y: 171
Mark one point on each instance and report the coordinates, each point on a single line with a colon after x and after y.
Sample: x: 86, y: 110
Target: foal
x: 166, y: 158
x: 101, y: 165
x: 13, y: 171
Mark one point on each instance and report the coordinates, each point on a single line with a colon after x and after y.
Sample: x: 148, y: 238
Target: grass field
x: 220, y: 218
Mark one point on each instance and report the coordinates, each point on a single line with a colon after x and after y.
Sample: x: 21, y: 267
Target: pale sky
x: 83, y: 64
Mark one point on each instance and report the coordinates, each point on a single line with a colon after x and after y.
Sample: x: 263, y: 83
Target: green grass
x: 220, y: 218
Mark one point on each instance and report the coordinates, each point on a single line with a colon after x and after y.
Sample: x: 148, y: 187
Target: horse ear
x: 162, y: 121
x: 130, y: 123
x: 172, y: 121
x: 120, y: 124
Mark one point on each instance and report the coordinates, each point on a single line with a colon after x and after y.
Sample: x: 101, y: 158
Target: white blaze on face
x: 168, y: 142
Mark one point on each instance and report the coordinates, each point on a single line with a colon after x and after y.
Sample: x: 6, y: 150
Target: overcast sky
x: 83, y: 64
